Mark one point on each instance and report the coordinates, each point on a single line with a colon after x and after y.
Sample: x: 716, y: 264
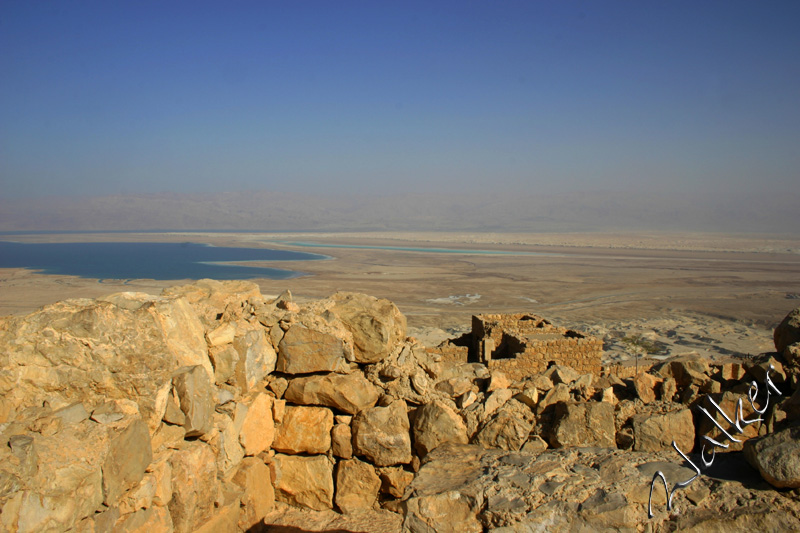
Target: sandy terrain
x: 684, y: 293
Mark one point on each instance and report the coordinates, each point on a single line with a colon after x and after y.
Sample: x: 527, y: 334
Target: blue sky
x: 100, y: 98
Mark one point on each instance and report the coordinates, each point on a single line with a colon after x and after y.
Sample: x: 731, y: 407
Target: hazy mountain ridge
x: 278, y: 211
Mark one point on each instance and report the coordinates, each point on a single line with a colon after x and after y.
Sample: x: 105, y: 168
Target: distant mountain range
x: 272, y: 211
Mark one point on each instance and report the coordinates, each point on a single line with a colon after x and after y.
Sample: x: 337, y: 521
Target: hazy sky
x: 378, y: 97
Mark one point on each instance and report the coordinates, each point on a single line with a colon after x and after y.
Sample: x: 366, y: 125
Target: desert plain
x: 645, y: 294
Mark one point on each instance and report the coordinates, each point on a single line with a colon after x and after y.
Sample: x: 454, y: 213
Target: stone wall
x: 524, y: 344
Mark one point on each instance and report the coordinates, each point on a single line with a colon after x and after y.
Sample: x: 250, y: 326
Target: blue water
x: 147, y: 260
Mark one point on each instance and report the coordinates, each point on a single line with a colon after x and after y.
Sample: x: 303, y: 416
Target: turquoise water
x: 148, y: 260
x: 409, y: 249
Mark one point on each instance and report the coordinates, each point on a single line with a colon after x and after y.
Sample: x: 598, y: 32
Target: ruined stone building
x: 524, y: 344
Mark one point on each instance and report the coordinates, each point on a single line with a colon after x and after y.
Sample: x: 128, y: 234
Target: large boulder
x: 303, y: 481
x: 357, y: 486
x: 377, y: 326
x: 303, y: 351
x: 194, y: 485
x: 654, y: 432
x: 583, y: 424
x: 218, y: 300
x: 381, y: 434
x: 434, y: 424
x: 349, y: 393
x: 777, y: 457
x: 304, y: 430
x: 509, y: 429
x: 92, y: 351
x: 788, y: 331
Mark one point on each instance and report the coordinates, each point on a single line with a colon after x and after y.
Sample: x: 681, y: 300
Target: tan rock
x: 645, y: 385
x: 732, y: 371
x: 496, y: 400
x: 669, y: 388
x: 258, y: 428
x: 218, y: 300
x: 509, y: 429
x: 498, y: 381
x: 381, y: 434
x: 304, y: 430
x: 559, y: 393
x: 194, y: 486
x: 788, y: 331
x: 394, y: 480
x: 434, y: 424
x: 357, y: 486
x: 656, y: 432
x: 727, y: 402
x: 303, y: 351
x: 145, y: 521
x: 224, y: 359
x: 129, y: 454
x: 257, y: 357
x: 258, y: 497
x: 304, y: 481
x: 376, y: 325
x: 224, y: 334
x: 342, y: 441
x: 583, y: 424
x: 92, y: 351
x: 195, y: 392
x: 345, y: 392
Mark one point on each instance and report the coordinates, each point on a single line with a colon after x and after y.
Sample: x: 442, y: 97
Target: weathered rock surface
x: 304, y: 481
x: 436, y: 423
x: 381, y: 434
x: 304, y: 430
x: 788, y: 331
x: 583, y: 424
x: 654, y: 432
x: 376, y: 325
x: 349, y: 393
x: 777, y: 457
x: 467, y: 488
x: 303, y: 351
x: 357, y: 484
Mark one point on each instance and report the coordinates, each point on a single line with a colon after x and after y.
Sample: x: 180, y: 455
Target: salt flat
x: 711, y: 294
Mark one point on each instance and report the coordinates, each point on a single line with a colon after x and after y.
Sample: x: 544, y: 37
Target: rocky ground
x: 214, y: 408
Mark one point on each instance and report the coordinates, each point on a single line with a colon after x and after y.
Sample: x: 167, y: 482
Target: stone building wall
x: 523, y: 344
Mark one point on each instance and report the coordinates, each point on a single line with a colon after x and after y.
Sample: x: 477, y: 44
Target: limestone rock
x: 727, y: 402
x: 304, y: 350
x: 350, y: 393
x: 258, y: 497
x: 583, y: 424
x: 194, y: 389
x: 645, y: 385
x: 788, y: 331
x: 304, y: 430
x: 434, y: 424
x: 657, y: 431
x: 93, y: 351
x: 357, y: 485
x: 377, y: 326
x: 257, y: 358
x: 129, y: 454
x: 258, y: 428
x: 559, y: 393
x: 194, y: 481
x: 218, y: 300
x: 305, y: 481
x: 509, y: 429
x: 381, y: 434
x: 342, y: 441
x: 777, y: 457
x: 496, y: 400
x: 394, y: 480
x: 145, y: 521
